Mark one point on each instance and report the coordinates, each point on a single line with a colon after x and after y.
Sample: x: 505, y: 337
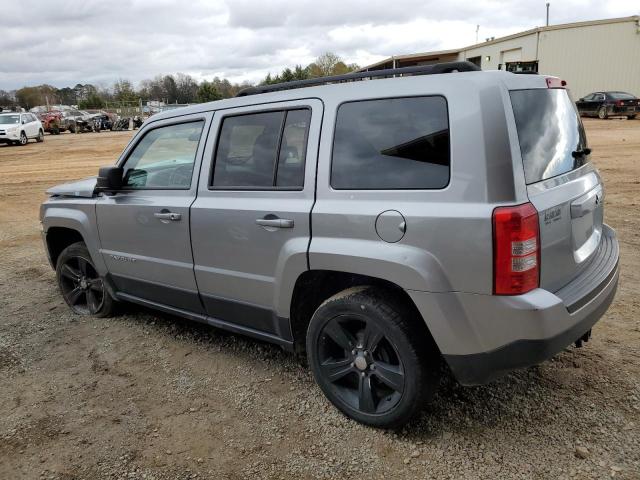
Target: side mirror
x: 24, y: 121
x: 109, y: 179
x: 581, y: 99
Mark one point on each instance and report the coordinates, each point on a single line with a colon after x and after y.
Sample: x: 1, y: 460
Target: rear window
x: 621, y: 96
x: 549, y: 130
x: 393, y: 143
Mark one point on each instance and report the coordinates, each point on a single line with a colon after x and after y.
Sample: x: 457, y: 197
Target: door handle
x: 174, y: 217
x: 275, y: 222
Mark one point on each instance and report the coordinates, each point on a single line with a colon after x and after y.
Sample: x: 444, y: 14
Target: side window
x: 395, y: 143
x: 164, y: 157
x: 262, y: 150
x: 293, y: 149
x: 589, y: 97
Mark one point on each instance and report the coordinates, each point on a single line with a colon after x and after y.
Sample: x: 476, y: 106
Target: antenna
x: 477, y: 30
x: 548, y: 13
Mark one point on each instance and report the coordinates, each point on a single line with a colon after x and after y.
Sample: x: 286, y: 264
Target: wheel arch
x: 59, y: 238
x: 313, y: 287
x: 64, y: 226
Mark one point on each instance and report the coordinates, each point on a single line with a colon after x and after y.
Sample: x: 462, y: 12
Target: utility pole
x: 548, y: 13
x: 477, y: 30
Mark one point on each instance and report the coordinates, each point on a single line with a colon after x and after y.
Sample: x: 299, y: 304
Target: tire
x: 40, y: 137
x: 23, y: 139
x: 367, y: 353
x: 602, y: 113
x: 631, y: 117
x: 81, y: 286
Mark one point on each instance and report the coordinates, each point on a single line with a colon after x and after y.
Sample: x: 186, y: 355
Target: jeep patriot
x: 379, y: 227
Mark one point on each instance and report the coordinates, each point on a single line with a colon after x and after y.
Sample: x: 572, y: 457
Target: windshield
x: 9, y: 119
x: 621, y: 96
x: 549, y: 131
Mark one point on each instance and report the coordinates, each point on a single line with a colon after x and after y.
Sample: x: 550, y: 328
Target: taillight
x: 619, y: 103
x: 516, y: 249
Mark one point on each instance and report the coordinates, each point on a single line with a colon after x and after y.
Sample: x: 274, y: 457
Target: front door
x: 144, y: 228
x: 250, y: 223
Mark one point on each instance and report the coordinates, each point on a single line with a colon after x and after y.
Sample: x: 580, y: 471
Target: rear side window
x: 549, y: 131
x: 394, y: 143
x: 262, y: 150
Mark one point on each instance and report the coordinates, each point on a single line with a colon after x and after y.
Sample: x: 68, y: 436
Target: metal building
x: 591, y: 56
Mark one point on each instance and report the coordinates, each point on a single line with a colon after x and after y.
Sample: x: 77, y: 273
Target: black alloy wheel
x: 82, y: 287
x: 372, y: 357
x: 362, y: 365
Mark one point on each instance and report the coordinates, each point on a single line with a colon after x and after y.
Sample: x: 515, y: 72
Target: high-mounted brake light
x: 555, y: 82
x: 516, y: 249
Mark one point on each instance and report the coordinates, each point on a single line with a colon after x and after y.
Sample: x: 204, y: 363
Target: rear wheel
x: 602, y: 113
x: 368, y: 356
x: 81, y: 285
x: 630, y: 117
x: 40, y: 137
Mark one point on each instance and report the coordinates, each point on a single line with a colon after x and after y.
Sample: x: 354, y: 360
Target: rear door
x: 565, y: 189
x: 144, y: 228
x: 250, y: 222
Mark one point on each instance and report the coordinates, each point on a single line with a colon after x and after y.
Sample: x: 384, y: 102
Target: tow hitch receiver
x: 583, y: 338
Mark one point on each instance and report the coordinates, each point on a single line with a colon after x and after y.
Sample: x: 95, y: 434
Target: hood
x: 81, y: 188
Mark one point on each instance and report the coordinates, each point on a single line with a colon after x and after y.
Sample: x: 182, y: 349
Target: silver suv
x: 378, y: 226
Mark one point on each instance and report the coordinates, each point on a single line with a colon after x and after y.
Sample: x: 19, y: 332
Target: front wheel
x: 81, y: 285
x: 602, y: 113
x: 23, y: 139
x: 372, y: 359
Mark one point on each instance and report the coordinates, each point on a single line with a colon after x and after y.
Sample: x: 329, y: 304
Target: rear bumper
x: 615, y: 110
x: 484, y: 336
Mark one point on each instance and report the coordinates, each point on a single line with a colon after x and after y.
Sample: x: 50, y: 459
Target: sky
x: 63, y: 43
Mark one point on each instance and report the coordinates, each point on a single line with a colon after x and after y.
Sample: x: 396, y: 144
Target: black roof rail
x: 447, y: 67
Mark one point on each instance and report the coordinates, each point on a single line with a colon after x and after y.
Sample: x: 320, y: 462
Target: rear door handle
x: 275, y: 222
x: 174, y: 217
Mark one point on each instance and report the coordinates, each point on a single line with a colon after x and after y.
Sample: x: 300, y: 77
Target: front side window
x: 395, y: 143
x: 164, y: 158
x: 264, y: 150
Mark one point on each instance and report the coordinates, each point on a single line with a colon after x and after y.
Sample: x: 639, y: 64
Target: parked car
x: 52, y: 122
x: 18, y: 128
x: 377, y: 227
x: 69, y: 118
x: 609, y: 104
x: 101, y: 120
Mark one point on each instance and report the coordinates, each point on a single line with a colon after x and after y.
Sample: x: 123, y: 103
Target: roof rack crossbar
x: 446, y: 67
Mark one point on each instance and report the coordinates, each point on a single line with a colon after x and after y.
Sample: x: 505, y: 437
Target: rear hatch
x: 565, y: 189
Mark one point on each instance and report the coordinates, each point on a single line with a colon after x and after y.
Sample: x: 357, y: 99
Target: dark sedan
x: 609, y: 104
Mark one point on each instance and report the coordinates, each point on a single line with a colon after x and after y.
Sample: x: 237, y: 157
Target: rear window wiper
x: 581, y: 153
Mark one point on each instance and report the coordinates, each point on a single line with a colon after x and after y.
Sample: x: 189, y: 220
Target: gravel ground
x: 147, y: 396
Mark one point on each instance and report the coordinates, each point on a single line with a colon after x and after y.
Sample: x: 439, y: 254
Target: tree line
x: 177, y: 88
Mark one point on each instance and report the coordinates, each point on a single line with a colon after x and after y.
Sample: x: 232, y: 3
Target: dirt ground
x: 149, y: 396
